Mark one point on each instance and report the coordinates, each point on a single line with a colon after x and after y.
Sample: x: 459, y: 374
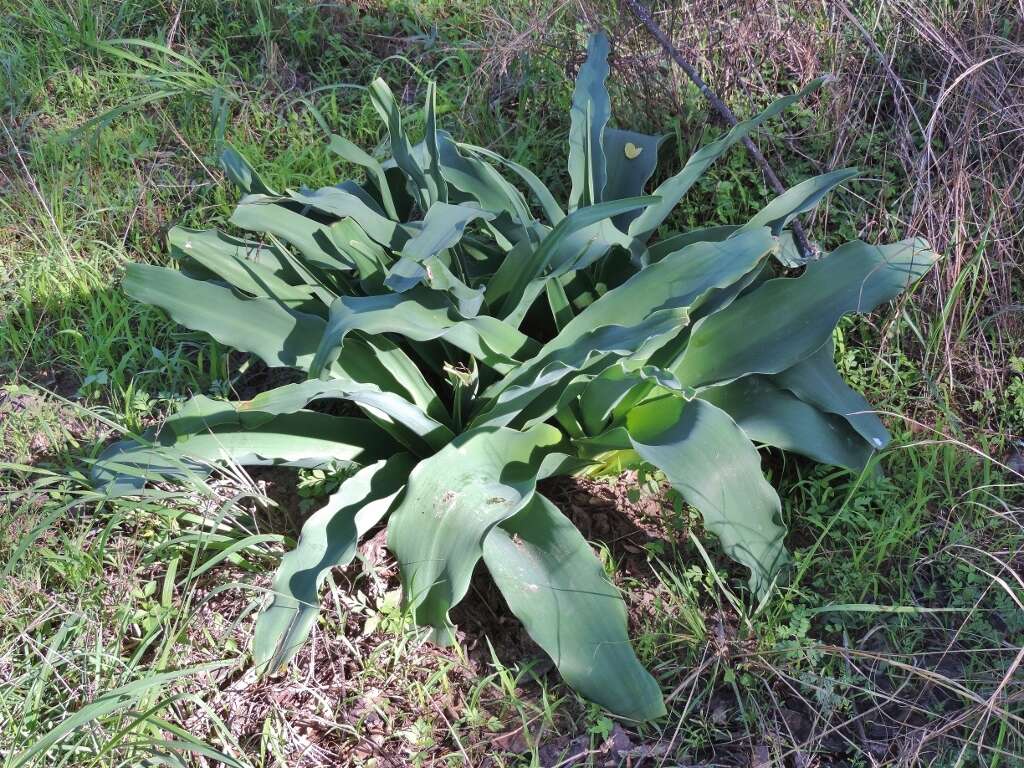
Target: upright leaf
x: 588, y: 117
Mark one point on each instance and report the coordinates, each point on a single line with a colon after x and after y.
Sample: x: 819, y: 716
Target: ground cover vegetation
x: 128, y: 620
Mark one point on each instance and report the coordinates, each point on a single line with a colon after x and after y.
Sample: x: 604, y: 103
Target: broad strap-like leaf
x: 509, y: 283
x: 407, y: 420
x: 432, y: 148
x: 816, y: 381
x: 591, y: 109
x: 770, y: 415
x: 552, y: 210
x: 242, y: 265
x: 420, y: 186
x: 241, y: 173
x: 421, y: 315
x: 452, y: 501
x: 555, y: 585
x: 259, y: 213
x: 631, y: 159
x: 799, y: 199
x: 677, y: 281
x: 680, y: 240
x: 785, y: 320
x: 328, y: 540
x: 301, y: 439
x: 481, y: 182
x: 345, y: 203
x: 710, y: 461
x: 262, y: 326
x: 353, y: 154
x: 274, y: 333
x: 534, y: 390
x: 672, y: 190
x: 441, y: 228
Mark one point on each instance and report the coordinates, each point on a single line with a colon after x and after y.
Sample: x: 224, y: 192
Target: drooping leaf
x: 816, y: 381
x: 712, y: 464
x: 407, y: 419
x: 555, y: 585
x: 264, y: 327
x: 785, y: 320
x: 353, y: 154
x: 328, y: 540
x: 770, y: 415
x: 451, y: 503
x: 676, y: 281
x: 588, y: 117
x: 301, y: 439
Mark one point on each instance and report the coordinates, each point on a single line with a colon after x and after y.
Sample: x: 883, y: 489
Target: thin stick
x: 641, y: 12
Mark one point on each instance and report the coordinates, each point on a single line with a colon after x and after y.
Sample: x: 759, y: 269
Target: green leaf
x: 534, y: 390
x: 677, y: 281
x: 712, y: 464
x: 799, y: 199
x: 328, y: 540
x: 816, y: 381
x: 420, y: 186
x: 631, y: 160
x: 345, y: 204
x: 421, y: 315
x: 588, y: 117
x: 301, y: 439
x: 229, y: 258
x: 442, y: 228
x: 552, y: 210
x: 770, y: 415
x: 241, y: 172
x: 353, y: 154
x: 672, y: 190
x: 437, y: 183
x: 264, y: 327
x: 509, y: 283
x: 404, y: 420
x: 785, y: 320
x: 451, y: 503
x: 555, y: 585
x: 677, y: 242
x: 482, y: 183
x: 257, y: 213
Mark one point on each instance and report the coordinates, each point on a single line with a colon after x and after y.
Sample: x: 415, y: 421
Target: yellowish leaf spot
x: 633, y: 151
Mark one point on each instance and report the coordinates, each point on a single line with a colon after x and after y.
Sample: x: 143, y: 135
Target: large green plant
x: 484, y: 348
